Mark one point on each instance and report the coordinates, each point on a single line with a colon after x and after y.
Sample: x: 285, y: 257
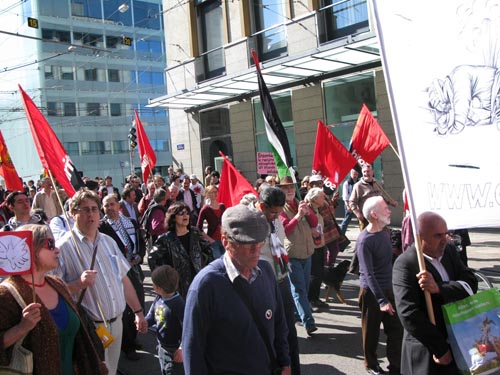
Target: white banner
x: 440, y: 61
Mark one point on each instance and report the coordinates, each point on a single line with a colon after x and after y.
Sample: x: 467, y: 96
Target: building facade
x: 320, y: 59
x: 96, y: 61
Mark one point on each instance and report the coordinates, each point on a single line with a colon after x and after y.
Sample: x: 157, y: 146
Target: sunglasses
x: 183, y: 212
x: 50, y: 244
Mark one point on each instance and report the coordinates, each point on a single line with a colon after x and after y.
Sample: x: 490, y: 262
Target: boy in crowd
x: 167, y: 313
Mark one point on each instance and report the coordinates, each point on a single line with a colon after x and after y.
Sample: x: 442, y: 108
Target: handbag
x: 21, y: 362
x: 473, y: 327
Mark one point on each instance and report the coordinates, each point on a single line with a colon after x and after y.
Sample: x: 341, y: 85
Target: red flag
x: 50, y: 150
x: 146, y: 153
x: 7, y: 170
x: 232, y: 185
x: 16, y: 253
x: 331, y: 159
x: 368, y: 139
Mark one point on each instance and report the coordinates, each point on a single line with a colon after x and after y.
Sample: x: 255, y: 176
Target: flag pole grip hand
x: 427, y: 294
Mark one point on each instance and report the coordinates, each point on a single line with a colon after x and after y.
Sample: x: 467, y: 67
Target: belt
x: 112, y: 320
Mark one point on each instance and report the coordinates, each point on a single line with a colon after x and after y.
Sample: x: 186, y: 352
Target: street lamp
x: 123, y: 8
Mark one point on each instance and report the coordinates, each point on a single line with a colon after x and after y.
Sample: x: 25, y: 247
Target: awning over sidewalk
x: 324, y: 62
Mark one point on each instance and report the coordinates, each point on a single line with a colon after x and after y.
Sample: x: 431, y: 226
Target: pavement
x: 335, y: 348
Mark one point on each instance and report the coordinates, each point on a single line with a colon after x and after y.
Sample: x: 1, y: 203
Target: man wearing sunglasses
x: 92, y: 260
x: 234, y: 306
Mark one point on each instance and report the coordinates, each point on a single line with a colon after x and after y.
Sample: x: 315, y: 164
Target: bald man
x: 425, y: 348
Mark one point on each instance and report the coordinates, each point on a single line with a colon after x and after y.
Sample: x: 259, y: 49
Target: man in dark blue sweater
x: 376, y: 299
x: 220, y: 335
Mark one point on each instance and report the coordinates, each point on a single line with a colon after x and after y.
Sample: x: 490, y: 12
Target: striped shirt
x: 111, y: 267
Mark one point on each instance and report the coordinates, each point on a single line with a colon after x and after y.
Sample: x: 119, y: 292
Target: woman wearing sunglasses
x: 59, y: 342
x: 183, y: 246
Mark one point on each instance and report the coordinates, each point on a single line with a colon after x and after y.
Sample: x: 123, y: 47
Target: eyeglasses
x: 183, y: 212
x: 50, y: 244
x: 88, y: 210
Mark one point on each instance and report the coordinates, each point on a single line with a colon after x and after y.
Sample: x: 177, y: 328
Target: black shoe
x: 311, y: 329
x: 132, y: 355
x: 317, y: 305
x: 376, y: 371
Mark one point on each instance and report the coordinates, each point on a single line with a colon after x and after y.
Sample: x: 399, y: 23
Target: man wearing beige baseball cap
x: 234, y: 321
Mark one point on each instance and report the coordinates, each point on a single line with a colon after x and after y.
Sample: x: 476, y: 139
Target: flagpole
x: 393, y: 149
x: 66, y: 218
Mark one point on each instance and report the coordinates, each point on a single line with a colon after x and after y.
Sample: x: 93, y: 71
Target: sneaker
x: 376, y: 371
x: 311, y: 329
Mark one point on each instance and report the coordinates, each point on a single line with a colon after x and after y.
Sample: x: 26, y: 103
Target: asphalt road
x: 336, y: 347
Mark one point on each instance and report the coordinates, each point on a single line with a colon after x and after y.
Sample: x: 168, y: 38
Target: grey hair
x: 370, y: 205
x: 312, y: 193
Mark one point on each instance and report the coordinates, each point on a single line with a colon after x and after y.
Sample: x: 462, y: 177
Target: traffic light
x: 133, y: 138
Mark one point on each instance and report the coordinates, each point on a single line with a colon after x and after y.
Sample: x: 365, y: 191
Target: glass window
x: 338, y: 19
x: 120, y: 147
x: 51, y: 109
x: 86, y: 8
x: 113, y: 75
x: 112, y: 12
x: 67, y: 73
x: 91, y: 74
x: 215, y: 123
x: 211, y: 38
x: 160, y: 144
x: 93, y: 109
x: 283, y: 103
x: 149, y: 46
x: 343, y: 100
x: 265, y: 14
x: 53, y: 8
x: 69, y: 109
x: 115, y: 109
x: 147, y: 15
x: 49, y: 71
x: 57, y: 35
x: 71, y: 148
x: 93, y: 40
x: 85, y: 147
x: 96, y: 148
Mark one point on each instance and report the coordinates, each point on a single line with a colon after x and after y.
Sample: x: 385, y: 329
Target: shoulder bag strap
x: 238, y: 287
x: 15, y: 294
x: 92, y: 263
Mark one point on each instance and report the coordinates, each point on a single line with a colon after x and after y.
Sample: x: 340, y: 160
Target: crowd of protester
x: 178, y: 225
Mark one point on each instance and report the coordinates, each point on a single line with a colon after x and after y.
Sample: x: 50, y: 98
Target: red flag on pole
x: 50, y: 150
x: 368, y: 139
x: 232, y: 185
x: 146, y: 153
x: 331, y: 159
x: 7, y: 169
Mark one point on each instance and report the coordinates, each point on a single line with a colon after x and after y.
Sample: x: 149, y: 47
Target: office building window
x: 147, y: 15
x: 53, y: 8
x: 96, y: 148
x: 49, y: 71
x: 115, y: 109
x: 283, y: 103
x: 265, y: 14
x: 93, y: 40
x: 91, y: 74
x: 160, y: 144
x: 211, y: 37
x: 120, y: 147
x: 85, y: 148
x: 67, y: 73
x: 86, y: 8
x: 111, y: 12
x: 71, y: 148
x: 93, y: 109
x: 69, y: 109
x: 113, y: 75
x: 51, y: 109
x: 56, y: 35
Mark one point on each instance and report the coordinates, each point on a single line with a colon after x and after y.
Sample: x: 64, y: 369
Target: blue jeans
x: 299, y: 279
x: 347, y: 219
